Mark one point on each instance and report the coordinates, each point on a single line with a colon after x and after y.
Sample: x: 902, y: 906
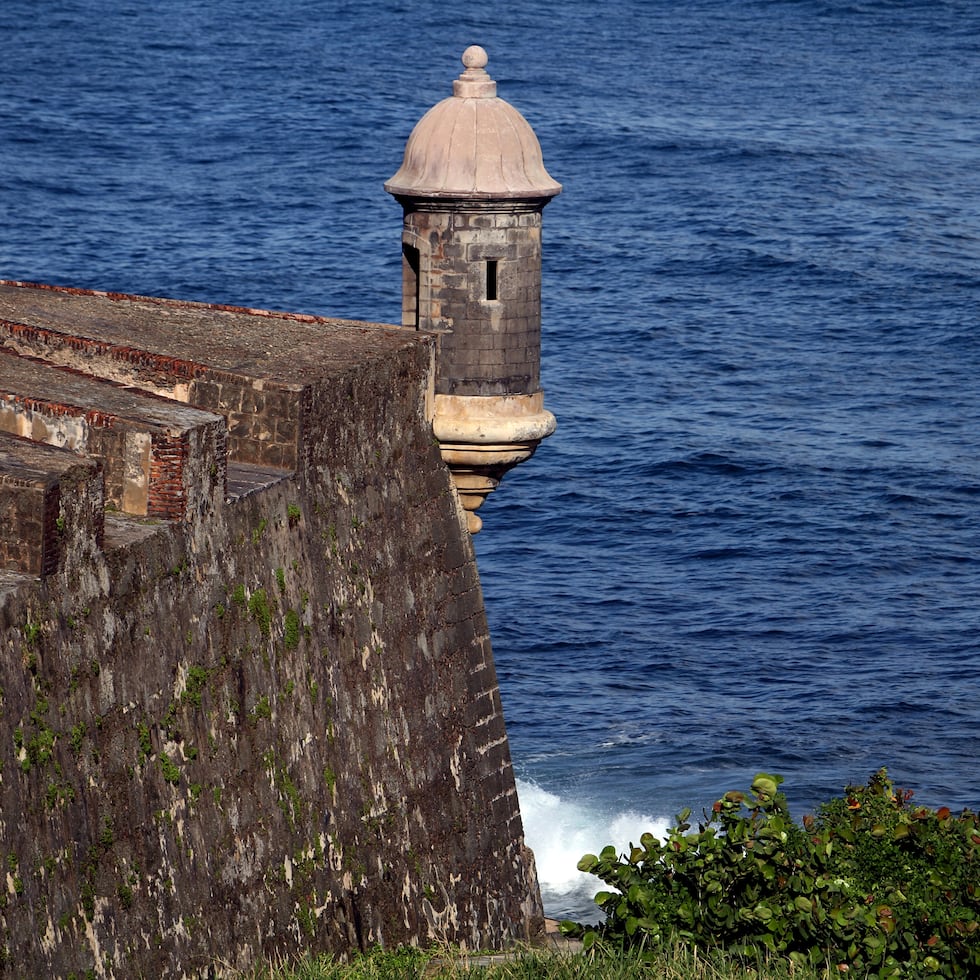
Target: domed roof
x: 473, y: 145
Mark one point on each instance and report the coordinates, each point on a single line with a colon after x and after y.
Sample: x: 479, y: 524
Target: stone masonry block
x: 480, y: 251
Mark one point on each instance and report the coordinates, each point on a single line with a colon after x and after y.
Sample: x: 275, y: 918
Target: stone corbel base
x: 482, y: 437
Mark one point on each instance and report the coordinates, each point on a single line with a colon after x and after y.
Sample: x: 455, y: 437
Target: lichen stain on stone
x: 456, y: 763
x: 445, y: 923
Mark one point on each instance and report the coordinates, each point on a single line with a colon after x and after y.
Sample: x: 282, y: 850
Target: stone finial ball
x: 474, y: 57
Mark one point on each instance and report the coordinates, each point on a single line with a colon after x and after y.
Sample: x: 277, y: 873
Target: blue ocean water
x: 753, y: 542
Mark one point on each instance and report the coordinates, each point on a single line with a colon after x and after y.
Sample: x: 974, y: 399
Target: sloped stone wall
x: 274, y: 730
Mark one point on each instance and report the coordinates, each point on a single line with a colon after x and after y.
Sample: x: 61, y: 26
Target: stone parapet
x: 251, y: 366
x: 160, y: 458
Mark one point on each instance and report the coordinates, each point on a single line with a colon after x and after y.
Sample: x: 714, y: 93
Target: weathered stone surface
x: 473, y: 144
x: 277, y: 729
x: 488, y: 344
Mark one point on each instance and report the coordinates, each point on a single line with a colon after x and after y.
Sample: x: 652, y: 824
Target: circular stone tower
x: 472, y: 187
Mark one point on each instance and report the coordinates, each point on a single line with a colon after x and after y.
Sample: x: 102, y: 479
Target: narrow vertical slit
x: 491, y: 278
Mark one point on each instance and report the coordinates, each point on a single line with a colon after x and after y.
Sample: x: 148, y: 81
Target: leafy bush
x: 870, y: 885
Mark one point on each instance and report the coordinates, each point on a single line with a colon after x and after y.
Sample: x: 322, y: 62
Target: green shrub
x: 870, y: 885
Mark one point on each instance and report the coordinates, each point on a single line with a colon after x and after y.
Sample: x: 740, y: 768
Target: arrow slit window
x: 491, y: 279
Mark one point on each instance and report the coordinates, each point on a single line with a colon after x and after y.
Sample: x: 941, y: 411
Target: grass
x: 678, y: 963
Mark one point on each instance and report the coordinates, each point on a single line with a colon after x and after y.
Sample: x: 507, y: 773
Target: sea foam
x: 560, y: 831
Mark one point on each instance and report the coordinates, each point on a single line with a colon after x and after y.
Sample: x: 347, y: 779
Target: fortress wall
x: 148, y: 470
x: 263, y: 424
x: 273, y: 728
x: 29, y: 509
x: 187, y: 470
